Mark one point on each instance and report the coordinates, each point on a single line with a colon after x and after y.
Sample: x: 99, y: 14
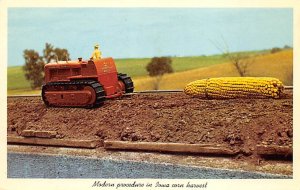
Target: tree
x: 33, y: 68
x: 240, y: 61
x: 275, y: 49
x: 48, y: 53
x: 34, y: 63
x: 158, y: 67
x: 62, y: 54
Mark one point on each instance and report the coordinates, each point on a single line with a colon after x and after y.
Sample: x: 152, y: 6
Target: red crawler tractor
x: 83, y: 83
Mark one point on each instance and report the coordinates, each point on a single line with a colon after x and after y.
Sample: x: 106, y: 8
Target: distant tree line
x: 277, y: 49
x: 34, y: 63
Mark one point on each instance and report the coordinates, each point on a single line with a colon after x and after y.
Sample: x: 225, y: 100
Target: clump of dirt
x: 174, y: 117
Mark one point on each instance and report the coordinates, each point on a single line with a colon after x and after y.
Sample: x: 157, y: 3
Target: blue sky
x: 146, y: 32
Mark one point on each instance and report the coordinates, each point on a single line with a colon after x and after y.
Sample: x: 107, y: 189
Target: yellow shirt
x: 96, y: 54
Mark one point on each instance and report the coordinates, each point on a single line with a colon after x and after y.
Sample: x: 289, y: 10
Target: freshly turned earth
x: 240, y: 124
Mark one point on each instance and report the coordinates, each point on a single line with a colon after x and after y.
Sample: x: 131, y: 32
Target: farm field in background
x: 186, y: 69
x: 136, y: 67
x: 278, y: 65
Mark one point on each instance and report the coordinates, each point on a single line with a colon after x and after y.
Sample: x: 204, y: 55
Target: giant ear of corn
x: 235, y: 87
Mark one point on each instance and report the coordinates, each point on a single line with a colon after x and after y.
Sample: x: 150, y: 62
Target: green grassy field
x: 16, y: 79
x: 136, y: 68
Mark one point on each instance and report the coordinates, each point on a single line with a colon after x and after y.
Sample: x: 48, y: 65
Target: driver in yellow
x: 96, y: 53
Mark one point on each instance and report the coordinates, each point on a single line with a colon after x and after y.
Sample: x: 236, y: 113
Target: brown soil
x: 240, y: 124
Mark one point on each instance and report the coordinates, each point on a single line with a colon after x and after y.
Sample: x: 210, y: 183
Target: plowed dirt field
x: 239, y: 124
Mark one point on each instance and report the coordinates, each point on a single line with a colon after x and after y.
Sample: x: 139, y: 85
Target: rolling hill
x: 278, y: 65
